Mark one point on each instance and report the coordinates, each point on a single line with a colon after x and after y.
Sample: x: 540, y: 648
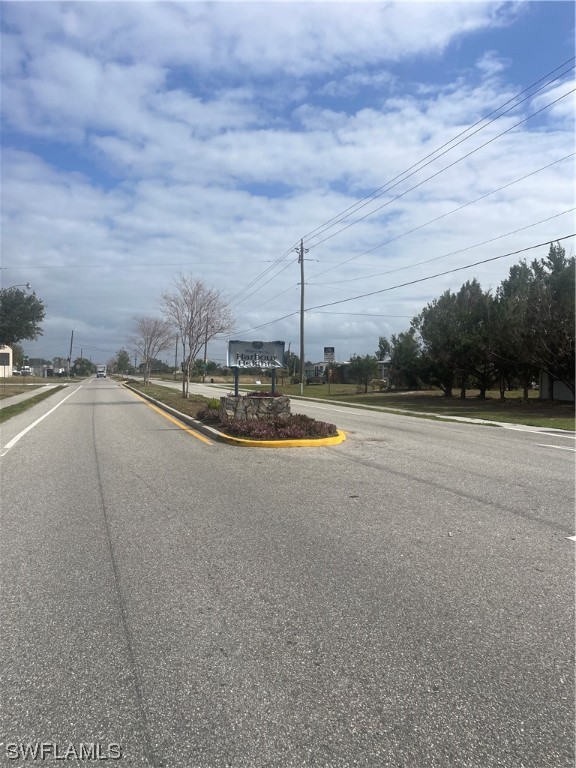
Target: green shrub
x: 296, y: 426
x: 209, y: 415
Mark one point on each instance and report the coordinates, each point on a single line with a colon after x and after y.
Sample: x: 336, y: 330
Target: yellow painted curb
x: 303, y: 443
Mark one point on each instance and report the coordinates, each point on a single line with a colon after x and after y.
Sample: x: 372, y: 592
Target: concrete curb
x: 222, y: 438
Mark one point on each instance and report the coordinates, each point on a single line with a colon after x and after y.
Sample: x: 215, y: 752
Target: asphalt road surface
x: 405, y: 599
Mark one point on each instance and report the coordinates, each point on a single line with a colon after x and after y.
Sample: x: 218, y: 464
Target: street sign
x: 255, y: 354
x: 328, y: 354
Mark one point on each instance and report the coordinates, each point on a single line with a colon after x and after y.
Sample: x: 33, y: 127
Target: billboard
x: 255, y: 354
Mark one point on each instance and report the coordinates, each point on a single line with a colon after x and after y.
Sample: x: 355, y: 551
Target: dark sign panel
x: 255, y: 354
x: 329, y: 354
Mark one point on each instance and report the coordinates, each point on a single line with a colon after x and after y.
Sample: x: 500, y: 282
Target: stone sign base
x: 245, y: 407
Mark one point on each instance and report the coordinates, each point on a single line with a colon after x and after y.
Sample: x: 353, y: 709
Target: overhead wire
x: 100, y: 265
x: 441, y: 274
x: 432, y: 156
x: 442, y: 216
x: 442, y: 170
x: 452, y: 253
x: 273, y: 277
x: 413, y: 282
x: 276, y: 263
x: 418, y: 166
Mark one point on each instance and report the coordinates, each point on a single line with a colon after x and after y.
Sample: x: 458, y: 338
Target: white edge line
x: 558, y: 447
x: 545, y: 433
x: 14, y: 440
x: 572, y: 538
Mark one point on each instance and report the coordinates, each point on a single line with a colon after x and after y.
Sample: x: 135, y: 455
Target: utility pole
x: 205, y: 353
x: 302, y: 355
x: 70, y: 355
x: 176, y: 358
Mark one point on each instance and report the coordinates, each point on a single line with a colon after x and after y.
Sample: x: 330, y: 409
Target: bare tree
x: 151, y: 336
x: 199, y: 313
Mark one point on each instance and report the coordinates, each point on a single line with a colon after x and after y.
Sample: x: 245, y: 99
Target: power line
x: 442, y: 170
x: 271, y: 322
x: 243, y: 292
x: 359, y: 314
x: 289, y: 264
x: 101, y: 265
x: 412, y: 282
x: 444, y: 215
x: 374, y: 195
x: 441, y: 274
x: 452, y: 253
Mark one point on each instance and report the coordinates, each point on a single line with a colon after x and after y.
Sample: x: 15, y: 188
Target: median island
x: 255, y: 418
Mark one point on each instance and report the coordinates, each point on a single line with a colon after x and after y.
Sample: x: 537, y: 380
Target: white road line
x: 558, y: 433
x: 558, y: 447
x: 572, y: 538
x: 14, y: 440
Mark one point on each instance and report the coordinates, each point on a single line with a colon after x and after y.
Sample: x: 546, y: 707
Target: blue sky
x: 141, y: 140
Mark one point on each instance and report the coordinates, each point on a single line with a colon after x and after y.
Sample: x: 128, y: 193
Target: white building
x: 6, y: 361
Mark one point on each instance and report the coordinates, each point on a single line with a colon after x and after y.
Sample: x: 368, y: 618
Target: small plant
x: 209, y: 415
x: 296, y: 426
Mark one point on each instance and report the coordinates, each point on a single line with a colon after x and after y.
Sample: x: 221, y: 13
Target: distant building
x: 559, y: 390
x: 384, y: 369
x: 6, y: 361
x: 317, y: 373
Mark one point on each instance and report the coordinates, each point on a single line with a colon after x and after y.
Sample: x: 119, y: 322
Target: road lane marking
x: 572, y: 538
x: 557, y: 433
x: 175, y: 421
x: 558, y: 447
x: 14, y: 440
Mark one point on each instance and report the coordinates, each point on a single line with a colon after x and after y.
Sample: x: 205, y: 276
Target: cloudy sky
x: 399, y: 140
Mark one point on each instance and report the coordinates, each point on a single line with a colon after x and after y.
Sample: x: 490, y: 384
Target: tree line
x: 478, y: 339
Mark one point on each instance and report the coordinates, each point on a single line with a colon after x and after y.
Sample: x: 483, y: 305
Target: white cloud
x: 565, y: 108
x: 168, y: 137
x: 490, y: 64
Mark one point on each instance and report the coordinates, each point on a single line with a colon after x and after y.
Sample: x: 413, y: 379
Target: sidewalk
x: 14, y: 399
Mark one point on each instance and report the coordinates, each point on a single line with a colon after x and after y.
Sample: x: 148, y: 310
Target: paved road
x: 403, y: 599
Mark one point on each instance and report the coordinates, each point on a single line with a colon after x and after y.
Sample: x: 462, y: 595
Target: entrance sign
x: 255, y: 354
x: 328, y: 354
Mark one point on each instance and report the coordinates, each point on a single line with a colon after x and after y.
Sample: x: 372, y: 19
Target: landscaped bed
x: 289, y: 427
x: 293, y: 427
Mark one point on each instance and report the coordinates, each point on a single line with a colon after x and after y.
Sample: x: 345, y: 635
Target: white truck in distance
x: 100, y: 371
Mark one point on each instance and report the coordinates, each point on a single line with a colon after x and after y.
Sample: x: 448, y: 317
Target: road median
x: 222, y: 437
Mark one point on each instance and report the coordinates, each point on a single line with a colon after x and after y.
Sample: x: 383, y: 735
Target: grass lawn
x: 514, y: 410
x: 171, y: 397
x: 13, y: 410
x: 535, y: 412
x: 9, y: 390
